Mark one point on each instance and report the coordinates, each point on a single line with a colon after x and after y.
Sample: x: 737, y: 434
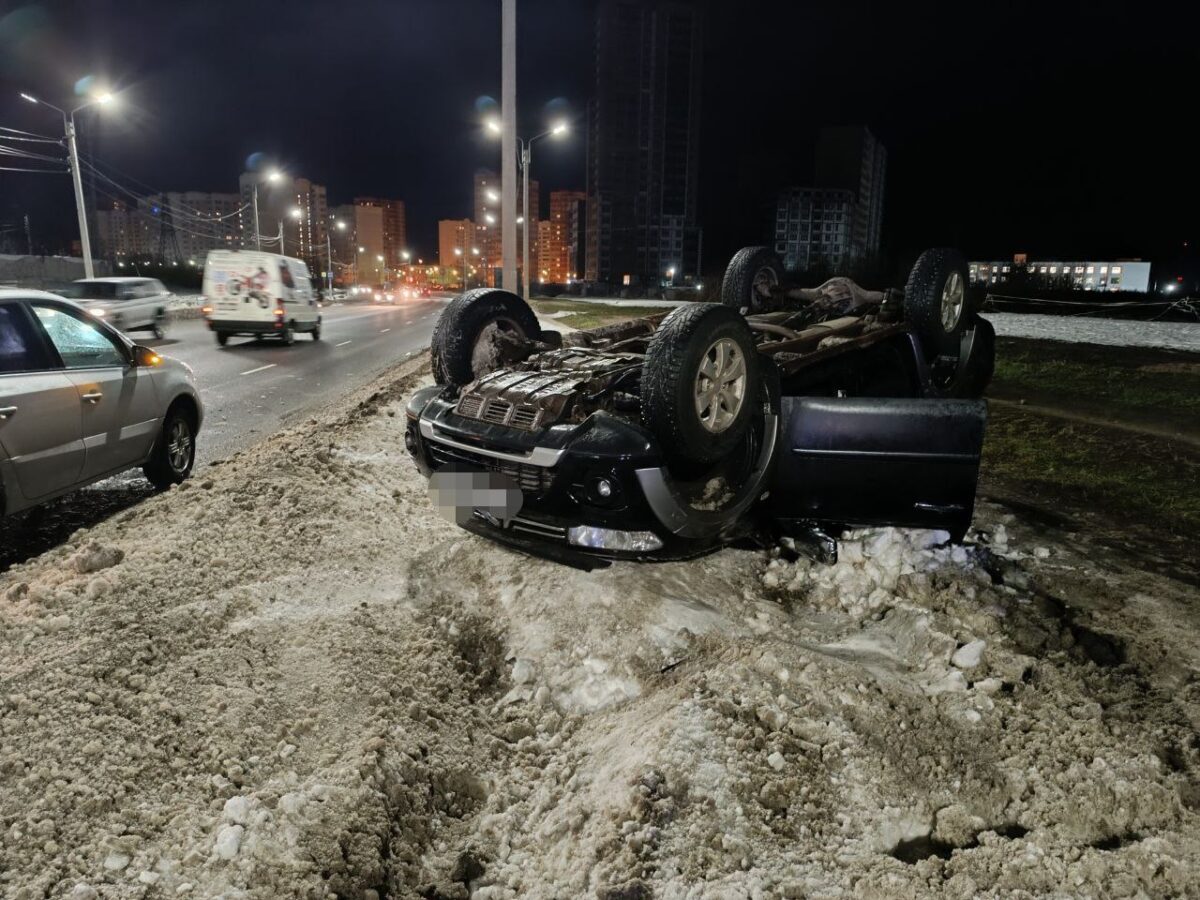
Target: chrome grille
x: 496, y: 411
x: 530, y: 479
x: 470, y: 405
x: 524, y: 417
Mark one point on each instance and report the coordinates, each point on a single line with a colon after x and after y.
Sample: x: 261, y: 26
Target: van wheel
x: 287, y: 336
x: 174, y: 452
x: 159, y: 327
x: 222, y: 338
x: 316, y: 332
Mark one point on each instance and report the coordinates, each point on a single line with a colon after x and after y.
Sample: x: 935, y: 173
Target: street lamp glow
x: 458, y: 251
x: 520, y: 220
x: 491, y: 195
x: 274, y: 175
x: 489, y: 218
x: 405, y: 255
x: 475, y: 250
x: 105, y: 97
x: 341, y: 226
x: 493, y: 125
x: 559, y: 128
x: 30, y: 99
x: 362, y: 249
x: 297, y: 212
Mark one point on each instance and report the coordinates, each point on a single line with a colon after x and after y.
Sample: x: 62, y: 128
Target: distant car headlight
x: 612, y: 539
x: 99, y: 312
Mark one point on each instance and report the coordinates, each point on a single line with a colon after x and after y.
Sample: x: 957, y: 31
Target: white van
x: 251, y: 292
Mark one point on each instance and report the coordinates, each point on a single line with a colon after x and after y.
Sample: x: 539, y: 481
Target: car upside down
x: 780, y: 411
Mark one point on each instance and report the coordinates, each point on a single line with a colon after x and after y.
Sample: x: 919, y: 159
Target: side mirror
x: 144, y: 357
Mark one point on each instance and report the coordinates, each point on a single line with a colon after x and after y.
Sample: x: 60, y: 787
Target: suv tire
x: 700, y: 382
x: 935, y: 301
x: 456, y: 337
x: 748, y: 278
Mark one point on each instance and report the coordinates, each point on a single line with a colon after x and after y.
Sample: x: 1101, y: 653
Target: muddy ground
x: 289, y: 678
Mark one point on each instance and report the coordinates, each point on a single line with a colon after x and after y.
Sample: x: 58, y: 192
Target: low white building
x: 1122, y: 275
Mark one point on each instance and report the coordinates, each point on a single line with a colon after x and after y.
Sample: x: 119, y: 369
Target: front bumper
x: 245, y: 326
x: 560, y: 471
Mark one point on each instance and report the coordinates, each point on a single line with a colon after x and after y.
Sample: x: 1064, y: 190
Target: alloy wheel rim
x: 179, y: 446
x: 720, y: 387
x: 952, y: 301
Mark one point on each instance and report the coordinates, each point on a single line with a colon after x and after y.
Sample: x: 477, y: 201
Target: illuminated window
x: 1079, y: 270
x: 1090, y: 270
x: 1054, y: 270
x: 1043, y: 270
x: 1116, y: 270
x: 1104, y: 270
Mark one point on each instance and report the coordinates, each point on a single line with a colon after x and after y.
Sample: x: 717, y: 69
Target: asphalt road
x: 250, y: 390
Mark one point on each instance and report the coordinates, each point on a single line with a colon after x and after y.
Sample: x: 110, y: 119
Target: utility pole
x: 525, y: 154
x: 508, y: 167
x: 85, y: 245
x: 257, y: 230
x: 28, y: 235
x: 73, y: 153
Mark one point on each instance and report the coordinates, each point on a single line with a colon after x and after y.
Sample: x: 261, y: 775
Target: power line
x: 30, y: 134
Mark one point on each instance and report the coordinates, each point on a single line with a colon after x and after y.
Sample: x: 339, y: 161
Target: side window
x: 286, y: 274
x: 80, y: 343
x: 21, y: 347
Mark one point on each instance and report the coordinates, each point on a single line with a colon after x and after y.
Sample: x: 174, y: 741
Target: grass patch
x: 1121, y: 379
x: 592, y: 315
x: 1128, y: 476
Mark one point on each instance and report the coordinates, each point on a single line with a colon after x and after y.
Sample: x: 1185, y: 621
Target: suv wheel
x: 935, y: 301
x: 699, y: 380
x: 468, y: 340
x: 749, y: 278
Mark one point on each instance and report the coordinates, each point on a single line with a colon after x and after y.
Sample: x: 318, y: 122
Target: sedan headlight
x: 612, y: 539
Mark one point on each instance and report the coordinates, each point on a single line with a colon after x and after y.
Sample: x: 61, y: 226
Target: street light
x: 458, y: 251
x: 493, y: 125
x: 104, y: 98
x: 273, y: 176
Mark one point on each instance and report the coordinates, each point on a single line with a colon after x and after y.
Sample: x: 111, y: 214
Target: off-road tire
x: 975, y: 372
x: 669, y: 371
x: 923, y: 301
x: 737, y: 286
x: 461, y: 322
x: 222, y: 338
x: 164, y: 468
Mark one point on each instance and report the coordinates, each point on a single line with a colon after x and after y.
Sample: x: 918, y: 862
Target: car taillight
x: 206, y: 310
x: 279, y: 312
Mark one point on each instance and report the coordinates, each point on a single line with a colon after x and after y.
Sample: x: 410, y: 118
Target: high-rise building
x: 644, y: 142
x: 176, y: 226
x: 370, y: 260
x: 813, y: 227
x: 487, y: 219
x: 455, y: 234
x: 395, y: 228
x: 305, y: 224
x: 568, y: 221
x: 851, y: 159
x: 549, y: 250
x: 343, y: 245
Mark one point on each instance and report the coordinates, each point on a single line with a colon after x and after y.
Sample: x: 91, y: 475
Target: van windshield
x: 91, y: 290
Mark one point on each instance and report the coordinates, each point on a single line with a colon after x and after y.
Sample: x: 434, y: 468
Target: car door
x: 40, y: 419
x: 879, y: 461
x: 118, y: 401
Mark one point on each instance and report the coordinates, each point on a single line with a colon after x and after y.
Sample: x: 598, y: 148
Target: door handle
x: 7, y: 411
x: 93, y: 397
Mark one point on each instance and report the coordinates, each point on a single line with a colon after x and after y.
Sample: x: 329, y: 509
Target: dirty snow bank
x: 1086, y: 330
x: 291, y: 678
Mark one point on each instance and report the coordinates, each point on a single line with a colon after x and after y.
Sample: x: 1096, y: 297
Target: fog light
x: 604, y: 488
x: 611, y: 539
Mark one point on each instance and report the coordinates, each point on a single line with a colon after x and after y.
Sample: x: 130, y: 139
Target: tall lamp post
x: 272, y: 176
x: 85, y: 244
x: 458, y: 252
x: 340, y: 226
x: 494, y: 126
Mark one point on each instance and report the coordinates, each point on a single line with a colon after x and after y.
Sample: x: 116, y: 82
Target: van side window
x: 286, y: 274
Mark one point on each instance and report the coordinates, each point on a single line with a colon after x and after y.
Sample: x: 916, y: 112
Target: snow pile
x: 293, y: 679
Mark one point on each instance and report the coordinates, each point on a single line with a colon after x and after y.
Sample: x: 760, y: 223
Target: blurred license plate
x: 460, y: 494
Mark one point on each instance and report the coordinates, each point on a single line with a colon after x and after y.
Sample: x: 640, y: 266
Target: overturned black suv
x: 780, y: 410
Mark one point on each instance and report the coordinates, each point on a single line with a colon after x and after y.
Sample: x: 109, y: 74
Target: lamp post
x: 85, y: 244
x: 272, y: 176
x: 458, y: 252
x: 526, y: 146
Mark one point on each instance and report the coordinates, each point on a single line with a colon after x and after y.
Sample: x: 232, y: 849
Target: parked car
x: 808, y: 409
x: 79, y: 402
x: 260, y: 294
x: 126, y: 303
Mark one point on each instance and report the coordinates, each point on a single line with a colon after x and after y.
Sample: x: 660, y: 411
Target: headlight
x: 611, y: 539
x: 99, y: 312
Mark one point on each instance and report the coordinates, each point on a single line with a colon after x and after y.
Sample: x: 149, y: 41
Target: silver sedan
x: 79, y: 402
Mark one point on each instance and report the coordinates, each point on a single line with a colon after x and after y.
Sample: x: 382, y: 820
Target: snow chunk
x: 968, y: 656
x: 229, y: 839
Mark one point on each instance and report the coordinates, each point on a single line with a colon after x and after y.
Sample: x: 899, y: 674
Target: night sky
x: 1061, y: 129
